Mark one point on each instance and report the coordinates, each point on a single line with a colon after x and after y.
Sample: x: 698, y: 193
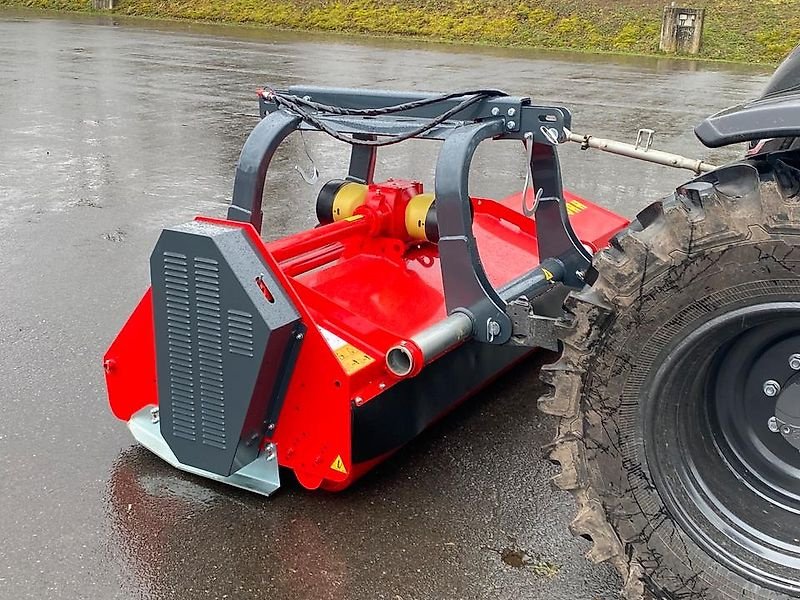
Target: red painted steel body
x: 360, y: 286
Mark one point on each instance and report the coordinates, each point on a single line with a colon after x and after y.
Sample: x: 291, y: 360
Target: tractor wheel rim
x: 731, y: 484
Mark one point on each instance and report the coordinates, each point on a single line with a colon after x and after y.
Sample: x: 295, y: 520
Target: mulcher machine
x: 325, y: 351
x: 678, y: 386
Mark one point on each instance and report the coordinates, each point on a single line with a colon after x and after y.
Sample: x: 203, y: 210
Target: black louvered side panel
x: 220, y: 344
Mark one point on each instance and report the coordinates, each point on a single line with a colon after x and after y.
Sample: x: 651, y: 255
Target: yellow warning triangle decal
x: 338, y: 465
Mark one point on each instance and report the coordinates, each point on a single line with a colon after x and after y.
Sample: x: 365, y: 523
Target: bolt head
x: 794, y: 362
x: 510, y: 125
x: 154, y: 415
x: 495, y: 111
x: 358, y: 400
x: 299, y: 336
x: 494, y: 327
x: 269, y: 451
x: 773, y: 425
x: 786, y: 430
x: 771, y: 388
x: 511, y: 112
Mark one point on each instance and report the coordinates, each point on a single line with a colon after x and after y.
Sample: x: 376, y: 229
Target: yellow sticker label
x: 547, y: 274
x: 338, y: 465
x: 574, y: 207
x: 354, y: 218
x: 352, y: 359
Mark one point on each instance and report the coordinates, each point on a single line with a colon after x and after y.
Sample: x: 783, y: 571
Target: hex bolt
x: 773, y: 425
x: 299, y: 336
x: 269, y: 451
x: 154, y: 415
x: 786, y: 430
x: 511, y: 125
x: 494, y: 328
x: 511, y: 112
x: 771, y: 388
x: 358, y: 400
x: 495, y: 111
x: 794, y: 362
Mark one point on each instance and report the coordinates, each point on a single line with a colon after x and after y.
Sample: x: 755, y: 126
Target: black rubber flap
x: 224, y: 329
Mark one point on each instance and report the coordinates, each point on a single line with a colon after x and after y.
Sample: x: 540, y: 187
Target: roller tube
x: 431, y: 342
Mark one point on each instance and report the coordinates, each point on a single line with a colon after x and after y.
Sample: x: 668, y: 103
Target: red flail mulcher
x: 322, y: 353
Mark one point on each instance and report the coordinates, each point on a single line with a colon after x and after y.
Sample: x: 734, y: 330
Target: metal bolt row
x: 772, y: 388
x: 776, y: 426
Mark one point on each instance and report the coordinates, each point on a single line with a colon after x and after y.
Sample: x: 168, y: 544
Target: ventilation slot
x: 179, y: 335
x: 240, y: 333
x: 209, y: 352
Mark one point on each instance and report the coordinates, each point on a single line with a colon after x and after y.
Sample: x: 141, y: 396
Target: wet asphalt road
x: 109, y: 131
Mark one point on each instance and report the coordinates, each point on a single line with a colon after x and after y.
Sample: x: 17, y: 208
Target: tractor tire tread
x: 747, y: 205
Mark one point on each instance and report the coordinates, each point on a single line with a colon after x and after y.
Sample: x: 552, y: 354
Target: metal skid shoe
x: 326, y: 351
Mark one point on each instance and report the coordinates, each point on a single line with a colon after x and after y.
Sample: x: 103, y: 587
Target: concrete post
x: 682, y: 30
x: 103, y: 4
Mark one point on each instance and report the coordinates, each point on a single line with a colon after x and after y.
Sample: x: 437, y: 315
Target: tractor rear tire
x: 663, y: 436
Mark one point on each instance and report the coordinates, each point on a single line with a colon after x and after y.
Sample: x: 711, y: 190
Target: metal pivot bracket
x: 555, y: 237
x: 536, y: 312
x: 530, y: 329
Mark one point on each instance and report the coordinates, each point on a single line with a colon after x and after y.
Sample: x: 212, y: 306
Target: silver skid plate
x: 260, y: 476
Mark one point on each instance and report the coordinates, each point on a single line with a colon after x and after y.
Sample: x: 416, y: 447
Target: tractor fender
x: 775, y: 114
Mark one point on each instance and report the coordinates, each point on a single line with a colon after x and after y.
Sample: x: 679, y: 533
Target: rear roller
x: 679, y: 392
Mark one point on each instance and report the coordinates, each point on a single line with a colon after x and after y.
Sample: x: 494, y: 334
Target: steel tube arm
x: 251, y: 170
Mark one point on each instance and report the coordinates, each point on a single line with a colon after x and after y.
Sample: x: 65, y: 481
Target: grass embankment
x: 738, y: 30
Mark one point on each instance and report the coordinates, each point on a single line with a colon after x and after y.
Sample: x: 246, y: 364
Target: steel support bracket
x: 529, y: 329
x: 537, y: 322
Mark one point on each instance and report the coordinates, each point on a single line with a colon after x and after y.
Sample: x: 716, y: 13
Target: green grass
x: 738, y: 30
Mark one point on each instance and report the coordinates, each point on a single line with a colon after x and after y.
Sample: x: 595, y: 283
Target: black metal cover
x: 225, y: 332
